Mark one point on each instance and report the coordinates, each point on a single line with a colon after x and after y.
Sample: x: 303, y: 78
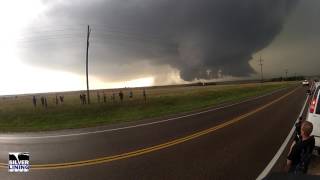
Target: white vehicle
x: 305, y: 83
x: 313, y: 87
x: 313, y: 115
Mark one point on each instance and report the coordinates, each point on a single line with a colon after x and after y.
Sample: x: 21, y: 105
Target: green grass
x: 19, y: 114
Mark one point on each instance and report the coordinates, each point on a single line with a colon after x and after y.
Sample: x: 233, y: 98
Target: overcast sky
x: 148, y: 42
x: 296, y: 47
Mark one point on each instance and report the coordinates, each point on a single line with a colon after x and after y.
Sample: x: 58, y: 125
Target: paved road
x: 236, y: 142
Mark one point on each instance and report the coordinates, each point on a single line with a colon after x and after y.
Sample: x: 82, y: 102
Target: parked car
x: 305, y: 83
x: 313, y: 87
x: 313, y: 115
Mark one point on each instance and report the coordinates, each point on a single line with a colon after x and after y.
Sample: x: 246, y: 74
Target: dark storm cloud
x: 131, y: 38
x: 296, y: 48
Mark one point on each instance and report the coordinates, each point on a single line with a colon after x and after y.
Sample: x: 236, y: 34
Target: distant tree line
x: 291, y: 78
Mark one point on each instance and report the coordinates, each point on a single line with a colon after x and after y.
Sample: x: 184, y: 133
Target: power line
x: 78, y: 43
x: 101, y: 32
x: 109, y: 35
x: 135, y: 39
x: 52, y: 30
x: 45, y: 38
x: 53, y: 27
x: 132, y: 38
x: 153, y: 36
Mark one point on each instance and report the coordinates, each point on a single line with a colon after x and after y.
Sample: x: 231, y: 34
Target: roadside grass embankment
x: 18, y: 114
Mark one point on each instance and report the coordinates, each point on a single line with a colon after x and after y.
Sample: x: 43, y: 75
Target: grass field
x: 18, y: 114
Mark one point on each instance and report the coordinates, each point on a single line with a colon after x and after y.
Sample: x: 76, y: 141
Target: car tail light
x: 312, y: 105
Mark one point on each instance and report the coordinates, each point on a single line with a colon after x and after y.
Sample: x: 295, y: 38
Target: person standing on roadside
x: 84, y: 98
x: 45, y: 103
x: 34, y: 101
x: 104, y: 98
x: 301, y: 151
x: 57, y: 100
x: 81, y: 98
x: 61, y: 99
x: 121, y: 96
x: 42, y: 101
x: 144, y: 94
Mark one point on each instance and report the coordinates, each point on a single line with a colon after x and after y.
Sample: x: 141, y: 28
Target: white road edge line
x: 135, y: 126
x: 276, y: 157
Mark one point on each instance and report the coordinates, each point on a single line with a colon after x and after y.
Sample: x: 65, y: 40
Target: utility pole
x: 286, y: 74
x: 261, y: 71
x: 87, y: 75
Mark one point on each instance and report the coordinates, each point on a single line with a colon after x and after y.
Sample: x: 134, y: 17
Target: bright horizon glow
x: 19, y: 78
x: 141, y: 82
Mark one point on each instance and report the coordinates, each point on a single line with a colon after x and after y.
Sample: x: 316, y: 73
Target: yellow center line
x: 152, y: 148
